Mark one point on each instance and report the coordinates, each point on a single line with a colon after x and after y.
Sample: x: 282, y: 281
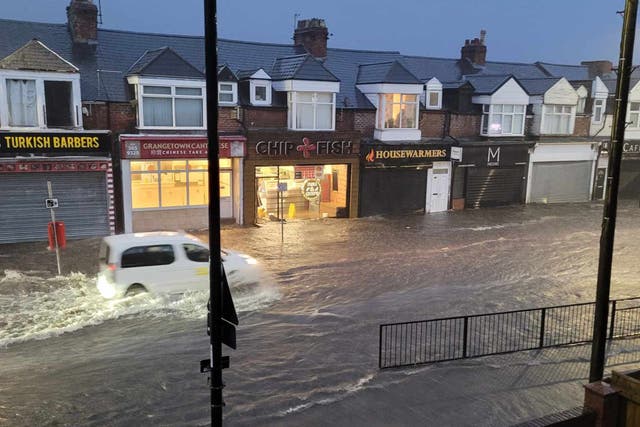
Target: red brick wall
x: 227, y: 120
x: 431, y: 124
x: 464, y: 125
x: 344, y: 119
x: 257, y: 118
x: 119, y: 117
x: 364, y: 121
x: 581, y: 128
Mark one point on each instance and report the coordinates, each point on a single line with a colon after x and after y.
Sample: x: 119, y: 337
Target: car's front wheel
x: 135, y: 289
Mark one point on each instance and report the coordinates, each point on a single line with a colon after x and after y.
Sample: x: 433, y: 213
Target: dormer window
x: 312, y: 110
x: 502, y: 119
x: 260, y: 91
x: 433, y: 98
x: 398, y: 111
x: 634, y: 115
x: 598, y: 110
x: 227, y: 93
x: 557, y: 119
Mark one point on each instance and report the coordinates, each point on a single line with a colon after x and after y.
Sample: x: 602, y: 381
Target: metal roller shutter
x: 559, y: 182
x: 393, y: 191
x: 494, y: 186
x: 82, y: 198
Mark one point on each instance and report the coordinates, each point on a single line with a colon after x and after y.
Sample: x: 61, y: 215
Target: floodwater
x: 308, y: 335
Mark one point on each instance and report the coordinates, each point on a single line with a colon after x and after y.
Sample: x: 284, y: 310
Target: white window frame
x: 293, y: 102
x: 598, y: 104
x: 489, y: 110
x: 550, y: 109
x: 255, y: 83
x: 40, y: 78
x: 233, y: 92
x: 433, y: 86
x: 633, y: 113
x: 381, y: 122
x: 173, y: 84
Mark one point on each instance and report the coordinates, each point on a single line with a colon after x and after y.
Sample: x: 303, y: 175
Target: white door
x: 437, y: 189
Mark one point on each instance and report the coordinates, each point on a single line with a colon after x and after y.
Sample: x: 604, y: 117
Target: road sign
x: 50, y: 203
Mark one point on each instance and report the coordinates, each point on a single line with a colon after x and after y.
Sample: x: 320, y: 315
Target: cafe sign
x: 629, y: 148
x: 404, y: 155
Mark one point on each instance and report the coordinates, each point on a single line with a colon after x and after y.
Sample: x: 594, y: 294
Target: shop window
x: 175, y: 183
x: 557, y: 119
x: 311, y: 110
x: 172, y: 106
x: 502, y: 119
x: 40, y: 103
x: 398, y: 111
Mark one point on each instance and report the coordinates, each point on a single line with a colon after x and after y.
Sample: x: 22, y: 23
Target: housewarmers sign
x: 54, y: 144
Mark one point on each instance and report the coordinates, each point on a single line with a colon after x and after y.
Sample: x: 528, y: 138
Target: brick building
x: 308, y: 130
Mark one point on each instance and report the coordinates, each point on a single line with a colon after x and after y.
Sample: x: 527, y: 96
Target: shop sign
x: 13, y: 167
x: 58, y: 143
x: 456, y: 153
x: 496, y: 155
x: 311, y: 189
x: 403, y: 155
x: 179, y: 147
x: 629, y: 148
x: 306, y: 147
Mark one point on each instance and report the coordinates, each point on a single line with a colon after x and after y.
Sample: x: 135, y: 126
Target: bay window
x: 502, y: 119
x: 34, y: 101
x: 398, y: 111
x: 172, y: 106
x: 311, y: 110
x: 557, y: 119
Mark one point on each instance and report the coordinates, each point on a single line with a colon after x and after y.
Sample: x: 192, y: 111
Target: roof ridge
x: 33, y: 22
x: 561, y: 65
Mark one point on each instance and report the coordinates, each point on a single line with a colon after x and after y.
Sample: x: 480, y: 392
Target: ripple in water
x: 40, y: 308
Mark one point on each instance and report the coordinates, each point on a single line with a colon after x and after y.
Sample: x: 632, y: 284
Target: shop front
x: 300, y: 175
x: 491, y: 174
x: 630, y: 171
x: 165, y: 181
x: 562, y: 172
x: 76, y: 165
x: 404, y: 178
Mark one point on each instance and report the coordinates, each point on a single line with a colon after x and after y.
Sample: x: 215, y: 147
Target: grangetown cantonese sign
x: 403, y: 155
x: 305, y: 148
x: 58, y: 143
x: 150, y: 147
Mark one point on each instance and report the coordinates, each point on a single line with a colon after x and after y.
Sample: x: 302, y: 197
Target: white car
x: 163, y: 262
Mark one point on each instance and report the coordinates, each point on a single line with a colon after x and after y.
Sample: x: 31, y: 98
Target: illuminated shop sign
x: 146, y: 147
x: 402, y: 155
x: 305, y: 148
x: 54, y: 143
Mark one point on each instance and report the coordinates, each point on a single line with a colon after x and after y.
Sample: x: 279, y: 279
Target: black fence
x: 451, y: 338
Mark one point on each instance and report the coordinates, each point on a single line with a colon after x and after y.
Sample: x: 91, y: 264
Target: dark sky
x: 560, y: 31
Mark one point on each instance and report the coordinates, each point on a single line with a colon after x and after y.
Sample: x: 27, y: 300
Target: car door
x: 197, y: 265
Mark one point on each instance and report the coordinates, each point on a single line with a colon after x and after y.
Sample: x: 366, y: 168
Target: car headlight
x: 248, y: 259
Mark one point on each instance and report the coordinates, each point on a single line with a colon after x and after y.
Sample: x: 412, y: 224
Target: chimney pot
x: 312, y: 34
x: 475, y: 51
x: 82, y: 20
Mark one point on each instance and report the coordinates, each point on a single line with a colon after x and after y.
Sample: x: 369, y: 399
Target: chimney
x: 82, y: 19
x: 475, y: 50
x: 312, y: 34
x: 598, y: 68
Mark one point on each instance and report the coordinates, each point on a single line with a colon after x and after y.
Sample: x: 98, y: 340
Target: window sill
x: 312, y: 130
x: 169, y: 128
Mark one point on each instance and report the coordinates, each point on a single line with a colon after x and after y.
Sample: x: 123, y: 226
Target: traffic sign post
x: 52, y: 203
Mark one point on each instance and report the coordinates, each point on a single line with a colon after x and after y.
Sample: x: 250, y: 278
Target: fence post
x: 465, y: 334
x: 613, y: 318
x: 543, y: 317
x: 380, y: 350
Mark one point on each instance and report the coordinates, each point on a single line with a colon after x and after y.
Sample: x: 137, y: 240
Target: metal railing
x: 461, y: 337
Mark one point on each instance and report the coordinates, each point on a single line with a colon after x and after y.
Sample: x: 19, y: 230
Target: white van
x: 162, y: 262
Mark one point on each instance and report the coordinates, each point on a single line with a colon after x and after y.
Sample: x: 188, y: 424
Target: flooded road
x: 308, y: 337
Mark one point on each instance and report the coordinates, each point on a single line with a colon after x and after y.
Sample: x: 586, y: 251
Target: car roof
x: 127, y: 240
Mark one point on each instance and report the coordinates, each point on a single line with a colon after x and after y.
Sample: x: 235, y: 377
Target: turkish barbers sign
x: 58, y: 143
x: 404, y: 155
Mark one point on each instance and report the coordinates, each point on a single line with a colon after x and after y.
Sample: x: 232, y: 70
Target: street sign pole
x: 55, y: 229
x: 215, y: 266
x: 598, y: 348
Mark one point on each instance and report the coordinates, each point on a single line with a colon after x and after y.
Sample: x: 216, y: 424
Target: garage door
x: 82, y: 198
x: 494, y: 186
x: 392, y: 191
x: 560, y: 182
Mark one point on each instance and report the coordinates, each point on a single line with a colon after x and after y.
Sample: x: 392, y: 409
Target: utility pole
x: 611, y: 200
x: 215, y: 261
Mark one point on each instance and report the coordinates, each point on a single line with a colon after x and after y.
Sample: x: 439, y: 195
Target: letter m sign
x: 493, y: 157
